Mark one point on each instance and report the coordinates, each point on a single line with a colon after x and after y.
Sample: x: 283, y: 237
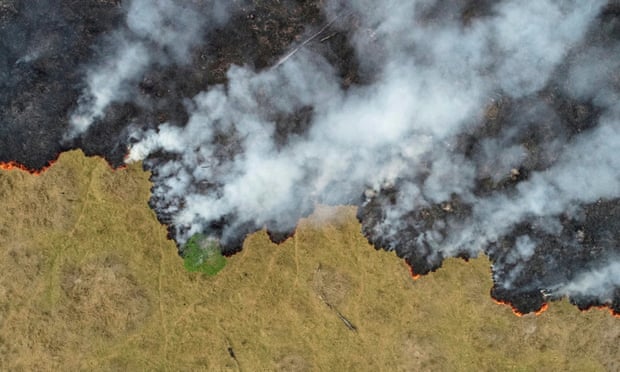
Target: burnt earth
x: 43, y: 48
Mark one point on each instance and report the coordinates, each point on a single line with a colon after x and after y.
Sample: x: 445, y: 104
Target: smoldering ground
x: 459, y: 127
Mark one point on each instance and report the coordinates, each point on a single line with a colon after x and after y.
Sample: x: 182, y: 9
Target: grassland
x: 90, y: 282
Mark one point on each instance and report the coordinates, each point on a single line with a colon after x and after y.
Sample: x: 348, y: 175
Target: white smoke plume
x: 432, y: 79
x: 367, y: 135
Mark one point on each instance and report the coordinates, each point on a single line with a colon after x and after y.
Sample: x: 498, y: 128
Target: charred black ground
x: 45, y: 46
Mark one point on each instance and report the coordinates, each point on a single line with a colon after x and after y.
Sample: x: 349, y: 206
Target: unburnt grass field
x: 90, y: 282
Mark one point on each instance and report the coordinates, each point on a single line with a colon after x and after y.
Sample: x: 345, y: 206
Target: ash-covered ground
x: 458, y: 127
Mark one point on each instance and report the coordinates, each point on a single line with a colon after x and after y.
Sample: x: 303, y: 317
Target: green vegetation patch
x: 203, y: 254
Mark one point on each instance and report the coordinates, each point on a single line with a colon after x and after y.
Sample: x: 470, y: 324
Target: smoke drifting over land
x: 459, y: 127
x: 156, y: 32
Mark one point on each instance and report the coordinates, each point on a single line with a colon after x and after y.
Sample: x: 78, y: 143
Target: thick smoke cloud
x: 456, y: 137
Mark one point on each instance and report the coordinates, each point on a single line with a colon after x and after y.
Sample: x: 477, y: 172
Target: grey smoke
x: 598, y: 282
x: 587, y: 170
x: 156, y: 32
x: 430, y: 83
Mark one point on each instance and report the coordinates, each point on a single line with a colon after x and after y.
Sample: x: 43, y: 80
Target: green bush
x: 203, y: 254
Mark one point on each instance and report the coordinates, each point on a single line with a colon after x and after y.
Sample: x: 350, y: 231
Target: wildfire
x: 413, y: 275
x: 545, y: 306
x: 14, y: 165
x: 603, y: 307
x: 542, y: 309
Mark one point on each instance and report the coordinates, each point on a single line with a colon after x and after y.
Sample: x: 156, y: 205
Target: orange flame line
x: 504, y: 303
x: 413, y: 274
x: 603, y: 307
x: 13, y: 165
x: 542, y: 309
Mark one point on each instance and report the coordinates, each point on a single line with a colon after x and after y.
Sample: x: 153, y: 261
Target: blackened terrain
x: 44, y: 46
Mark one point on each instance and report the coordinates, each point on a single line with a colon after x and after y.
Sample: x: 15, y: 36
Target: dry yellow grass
x: 90, y: 282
